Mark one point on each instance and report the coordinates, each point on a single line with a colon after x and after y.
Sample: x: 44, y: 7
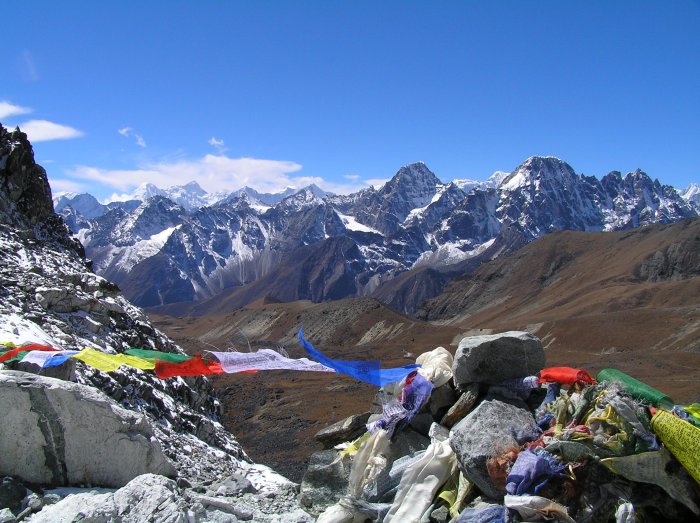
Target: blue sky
x: 343, y: 94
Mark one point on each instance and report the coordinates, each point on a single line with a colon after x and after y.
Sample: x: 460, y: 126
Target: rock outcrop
x: 72, y: 434
x: 492, y: 359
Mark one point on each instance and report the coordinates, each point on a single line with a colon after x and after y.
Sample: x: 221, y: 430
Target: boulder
x: 491, y: 429
x: 12, y: 493
x: 6, y: 516
x: 495, y: 358
x: 345, y: 430
x: 441, y: 400
x: 325, y: 481
x: 61, y: 433
x: 145, y: 498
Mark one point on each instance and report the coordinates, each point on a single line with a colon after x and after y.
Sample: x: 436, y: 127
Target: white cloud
x: 60, y: 186
x: 44, y: 131
x: 10, y: 109
x: 27, y: 67
x: 218, y: 144
x: 376, y: 182
x: 212, y: 172
x: 129, y: 131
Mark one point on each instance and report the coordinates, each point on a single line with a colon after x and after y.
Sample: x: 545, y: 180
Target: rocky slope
x: 167, y: 250
x: 50, y: 296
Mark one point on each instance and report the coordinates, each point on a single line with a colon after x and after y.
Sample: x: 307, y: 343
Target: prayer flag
x: 195, y: 366
x: 265, y: 359
x: 46, y: 358
x: 565, y: 375
x: 24, y: 348
x: 153, y: 355
x: 367, y: 371
x: 111, y: 362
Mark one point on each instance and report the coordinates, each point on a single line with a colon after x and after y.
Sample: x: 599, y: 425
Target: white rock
x: 60, y: 433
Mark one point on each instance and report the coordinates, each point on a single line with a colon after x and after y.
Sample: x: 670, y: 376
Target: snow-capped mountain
x: 163, y: 251
x: 691, y: 194
x: 492, y: 182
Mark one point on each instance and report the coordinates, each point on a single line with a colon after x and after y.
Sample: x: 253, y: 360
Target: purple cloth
x: 399, y: 413
x: 531, y: 471
x: 552, y: 393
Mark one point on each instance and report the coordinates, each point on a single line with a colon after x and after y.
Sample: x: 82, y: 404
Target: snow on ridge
x: 691, y: 193
x: 16, y: 329
x: 450, y: 253
x: 143, y: 249
x: 352, y: 224
x: 419, y: 211
x: 517, y: 180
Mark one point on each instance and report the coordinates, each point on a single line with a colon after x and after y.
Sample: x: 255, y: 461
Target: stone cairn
x: 491, y: 435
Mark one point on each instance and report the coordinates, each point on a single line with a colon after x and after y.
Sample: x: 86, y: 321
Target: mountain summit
x: 172, y: 247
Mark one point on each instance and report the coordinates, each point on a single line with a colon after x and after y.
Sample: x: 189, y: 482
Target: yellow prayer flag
x: 681, y: 438
x: 111, y: 362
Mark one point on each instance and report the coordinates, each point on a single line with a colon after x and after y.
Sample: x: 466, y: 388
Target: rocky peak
x: 539, y: 170
x: 316, y: 190
x: 83, y: 203
x: 193, y: 187
x: 691, y: 194
x: 414, y: 185
x: 25, y: 195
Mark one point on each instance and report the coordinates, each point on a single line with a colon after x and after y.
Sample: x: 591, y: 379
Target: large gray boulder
x: 146, y: 498
x: 325, y: 481
x: 61, y: 433
x: 495, y: 358
x: 493, y: 427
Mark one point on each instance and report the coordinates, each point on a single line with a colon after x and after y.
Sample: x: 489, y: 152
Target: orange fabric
x: 565, y: 375
x: 193, y: 367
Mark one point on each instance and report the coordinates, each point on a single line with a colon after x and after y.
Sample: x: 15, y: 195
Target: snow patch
x: 20, y: 331
x: 419, y: 211
x: 352, y: 224
x: 451, y: 253
x: 517, y: 180
x: 144, y: 248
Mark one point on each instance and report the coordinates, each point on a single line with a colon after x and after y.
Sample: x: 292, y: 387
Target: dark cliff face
x: 25, y: 194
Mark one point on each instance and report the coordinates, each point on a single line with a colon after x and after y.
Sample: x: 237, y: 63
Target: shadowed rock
x: 344, y: 430
x: 488, y: 431
x: 495, y: 358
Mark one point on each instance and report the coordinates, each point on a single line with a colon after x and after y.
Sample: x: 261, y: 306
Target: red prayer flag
x: 32, y: 346
x: 565, y: 375
x: 195, y: 366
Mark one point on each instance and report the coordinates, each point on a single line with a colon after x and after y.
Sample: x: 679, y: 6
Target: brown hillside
x: 629, y: 300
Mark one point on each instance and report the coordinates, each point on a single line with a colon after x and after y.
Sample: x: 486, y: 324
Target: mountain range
x: 625, y: 299
x: 183, y: 245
